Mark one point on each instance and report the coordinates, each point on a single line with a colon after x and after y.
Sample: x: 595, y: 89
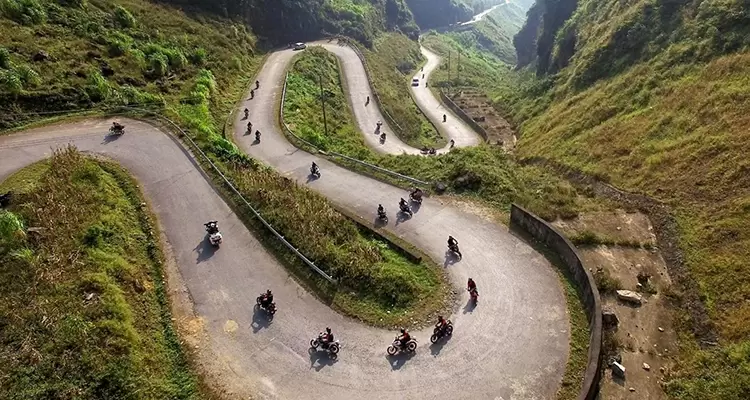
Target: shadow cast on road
x: 312, y: 177
x: 255, y: 142
x: 402, y: 217
x: 436, y: 347
x: 205, y: 250
x: 470, y: 306
x: 261, y: 319
x: 399, y: 360
x: 110, y: 137
x: 450, y: 258
x: 379, y: 222
x: 320, y: 359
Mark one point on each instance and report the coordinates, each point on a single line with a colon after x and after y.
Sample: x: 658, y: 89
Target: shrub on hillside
x: 118, y: 44
x: 10, y: 82
x: 158, y: 64
x: 4, y: 58
x: 11, y: 229
x: 73, y: 3
x: 28, y: 76
x: 98, y: 88
x: 199, y: 56
x: 26, y: 12
x: 124, y: 18
x: 176, y: 59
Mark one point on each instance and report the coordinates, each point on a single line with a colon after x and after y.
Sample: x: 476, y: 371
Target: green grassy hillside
x: 78, y: 55
x: 83, y: 308
x: 652, y: 96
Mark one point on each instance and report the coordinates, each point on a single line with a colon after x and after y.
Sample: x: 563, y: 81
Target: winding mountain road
x: 513, y: 345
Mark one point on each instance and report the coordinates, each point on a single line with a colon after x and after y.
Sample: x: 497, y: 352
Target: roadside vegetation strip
x: 84, y: 308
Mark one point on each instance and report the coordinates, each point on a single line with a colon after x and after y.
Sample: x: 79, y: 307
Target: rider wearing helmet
x: 403, y: 204
x: 452, y: 242
x: 267, y: 299
x: 314, y: 168
x: 327, y: 337
x: 381, y: 210
x: 417, y: 194
x: 404, y: 338
x: 471, y: 285
x: 441, y: 324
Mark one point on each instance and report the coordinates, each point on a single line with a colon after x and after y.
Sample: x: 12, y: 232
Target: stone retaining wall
x: 461, y: 114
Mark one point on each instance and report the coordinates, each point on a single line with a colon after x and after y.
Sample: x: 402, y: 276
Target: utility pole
x: 458, y: 68
x: 323, y: 103
x: 449, y: 65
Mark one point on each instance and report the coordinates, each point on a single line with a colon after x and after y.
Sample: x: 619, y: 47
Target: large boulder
x: 629, y: 296
x: 609, y: 319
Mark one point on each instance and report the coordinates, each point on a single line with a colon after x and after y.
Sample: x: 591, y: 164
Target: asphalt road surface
x: 513, y: 345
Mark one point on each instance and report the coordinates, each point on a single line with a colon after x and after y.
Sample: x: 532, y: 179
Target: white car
x: 300, y: 46
x: 415, y: 82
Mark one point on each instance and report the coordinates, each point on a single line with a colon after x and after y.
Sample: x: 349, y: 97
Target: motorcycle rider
x: 381, y: 211
x: 368, y: 100
x: 247, y: 112
x: 257, y: 135
x: 266, y: 299
x: 445, y: 117
x: 403, y: 205
x: 382, y: 137
x: 441, y: 324
x: 117, y: 126
x: 249, y: 127
x: 471, y: 286
x: 326, y: 338
x: 404, y: 338
x: 257, y: 84
x: 252, y: 94
x: 314, y: 168
x: 417, y: 194
x: 212, y: 227
x: 452, y: 242
x: 453, y: 143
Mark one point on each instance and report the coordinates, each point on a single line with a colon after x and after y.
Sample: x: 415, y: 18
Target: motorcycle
x: 214, y: 236
x: 383, y: 217
x: 454, y: 249
x: 474, y: 295
x: 406, y: 209
x: 438, y: 333
x: 271, y: 309
x: 395, y: 347
x: 117, y: 130
x: 332, y: 348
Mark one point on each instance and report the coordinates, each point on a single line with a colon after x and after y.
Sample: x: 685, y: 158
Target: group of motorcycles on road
x: 325, y: 340
x: 403, y: 343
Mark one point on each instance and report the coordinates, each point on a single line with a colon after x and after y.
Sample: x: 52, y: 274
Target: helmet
x: 328, y: 330
x: 440, y: 317
x: 268, y: 291
x: 403, y: 330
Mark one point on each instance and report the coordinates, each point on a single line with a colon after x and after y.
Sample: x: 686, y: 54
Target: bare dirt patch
x: 618, y: 225
x: 479, y: 107
x: 644, y: 334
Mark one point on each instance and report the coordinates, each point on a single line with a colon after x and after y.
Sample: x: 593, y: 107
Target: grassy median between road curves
x: 483, y: 172
x: 83, y: 309
x: 392, y: 62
